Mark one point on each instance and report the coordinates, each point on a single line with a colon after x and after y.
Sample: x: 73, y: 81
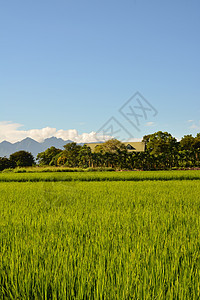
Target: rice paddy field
x: 100, y: 235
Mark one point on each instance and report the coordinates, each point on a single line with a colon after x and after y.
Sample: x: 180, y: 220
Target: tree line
x: 162, y: 151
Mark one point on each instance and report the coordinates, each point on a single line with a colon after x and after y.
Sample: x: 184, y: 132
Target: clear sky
x: 71, y: 65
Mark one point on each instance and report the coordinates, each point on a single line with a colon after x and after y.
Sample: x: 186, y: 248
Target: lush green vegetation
x: 17, y: 159
x: 35, y: 176
x: 163, y: 152
x: 100, y: 240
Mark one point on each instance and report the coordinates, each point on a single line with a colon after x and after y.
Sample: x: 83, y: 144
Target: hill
x: 30, y: 145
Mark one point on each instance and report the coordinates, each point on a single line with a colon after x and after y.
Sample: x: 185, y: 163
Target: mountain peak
x: 31, y: 145
x: 53, y: 138
x: 5, y: 143
x: 27, y: 140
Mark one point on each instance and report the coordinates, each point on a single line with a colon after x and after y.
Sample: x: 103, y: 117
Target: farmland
x: 100, y: 235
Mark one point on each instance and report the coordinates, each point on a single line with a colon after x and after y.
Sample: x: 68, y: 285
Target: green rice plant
x: 100, y: 176
x: 9, y: 170
x: 20, y: 170
x: 100, y: 169
x: 56, y: 169
x: 100, y: 240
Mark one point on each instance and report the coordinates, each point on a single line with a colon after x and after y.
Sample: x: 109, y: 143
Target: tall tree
x: 46, y: 157
x: 22, y: 159
x: 4, y: 163
x: 114, y: 153
x: 70, y: 156
x: 187, y: 142
x: 196, y: 144
x: 85, y: 156
x: 160, y: 142
x: 111, y: 146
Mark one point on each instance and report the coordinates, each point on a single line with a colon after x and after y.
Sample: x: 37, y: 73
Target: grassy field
x: 100, y: 176
x: 100, y: 237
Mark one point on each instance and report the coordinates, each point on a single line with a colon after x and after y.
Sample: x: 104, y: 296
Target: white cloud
x: 72, y: 134
x: 150, y: 124
x: 135, y: 140
x: 194, y: 125
x: 12, y: 132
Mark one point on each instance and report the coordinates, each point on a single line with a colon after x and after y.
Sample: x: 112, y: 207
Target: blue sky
x: 71, y: 65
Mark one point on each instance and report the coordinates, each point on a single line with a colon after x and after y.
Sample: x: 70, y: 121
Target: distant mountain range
x: 30, y: 145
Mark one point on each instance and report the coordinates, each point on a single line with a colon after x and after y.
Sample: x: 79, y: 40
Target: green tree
x: 196, y: 144
x: 22, y: 159
x: 97, y: 159
x: 111, y: 146
x: 160, y: 142
x: 54, y: 161
x: 70, y: 156
x: 46, y: 157
x: 187, y: 142
x: 4, y: 163
x: 85, y: 156
x: 113, y: 152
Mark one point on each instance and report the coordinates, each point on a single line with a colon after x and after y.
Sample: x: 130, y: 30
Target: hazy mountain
x: 5, y: 148
x: 31, y: 145
x: 53, y: 141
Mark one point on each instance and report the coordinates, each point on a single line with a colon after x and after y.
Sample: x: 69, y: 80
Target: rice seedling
x: 100, y: 240
x: 99, y: 176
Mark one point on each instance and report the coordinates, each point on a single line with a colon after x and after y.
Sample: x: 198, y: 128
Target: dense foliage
x: 48, y: 156
x: 162, y: 151
x: 4, y: 163
x: 21, y: 159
